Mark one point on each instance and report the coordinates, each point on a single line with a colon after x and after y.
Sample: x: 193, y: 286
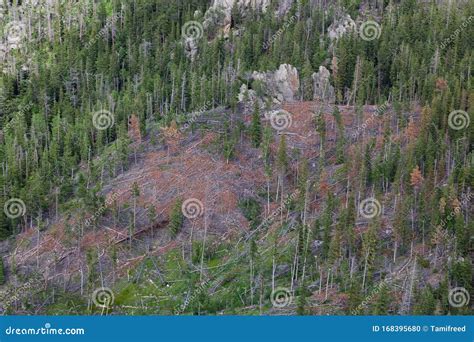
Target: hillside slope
x: 237, y: 157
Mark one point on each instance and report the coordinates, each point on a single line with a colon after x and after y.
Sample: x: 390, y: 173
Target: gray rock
x: 281, y: 270
x: 279, y: 86
x: 220, y: 13
x: 322, y: 89
x: 341, y: 26
x: 217, y: 18
x: 247, y: 5
x: 248, y: 97
x: 269, y: 88
x: 286, y: 82
x: 190, y: 47
x: 283, y: 8
x: 316, y: 245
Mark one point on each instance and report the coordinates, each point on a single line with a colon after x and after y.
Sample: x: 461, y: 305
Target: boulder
x: 220, y: 13
x: 247, y: 99
x: 275, y: 87
x: 316, y: 246
x: 259, y: 5
x: 217, y: 18
x: 341, y: 26
x: 283, y: 8
x: 190, y: 47
x: 287, y: 82
x: 322, y: 88
x: 282, y: 84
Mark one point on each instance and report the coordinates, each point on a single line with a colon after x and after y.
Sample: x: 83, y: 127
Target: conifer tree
x: 282, y: 158
x: 256, y: 127
x: 382, y: 303
x: 2, y: 272
x: 425, y: 303
x: 176, y: 219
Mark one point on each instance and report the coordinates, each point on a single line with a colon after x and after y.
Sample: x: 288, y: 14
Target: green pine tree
x: 256, y: 127
x: 382, y: 303
x: 2, y: 272
x: 176, y: 219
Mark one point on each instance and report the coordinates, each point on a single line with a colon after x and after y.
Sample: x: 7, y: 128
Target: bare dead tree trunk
x: 365, y: 270
x: 294, y: 268
x: 327, y: 284
x: 205, y: 232
x: 273, y: 273
x: 320, y: 280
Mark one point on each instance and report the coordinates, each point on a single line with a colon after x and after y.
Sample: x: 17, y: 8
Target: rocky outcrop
x: 282, y: 84
x: 246, y: 5
x: 341, y: 26
x: 248, y: 97
x: 220, y: 13
x: 277, y: 86
x: 190, y: 47
x: 322, y: 88
x: 283, y: 8
x: 218, y: 18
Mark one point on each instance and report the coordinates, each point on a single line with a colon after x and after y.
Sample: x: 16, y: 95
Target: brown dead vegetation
x: 185, y: 169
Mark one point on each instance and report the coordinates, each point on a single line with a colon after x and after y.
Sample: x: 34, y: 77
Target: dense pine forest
x: 267, y: 157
